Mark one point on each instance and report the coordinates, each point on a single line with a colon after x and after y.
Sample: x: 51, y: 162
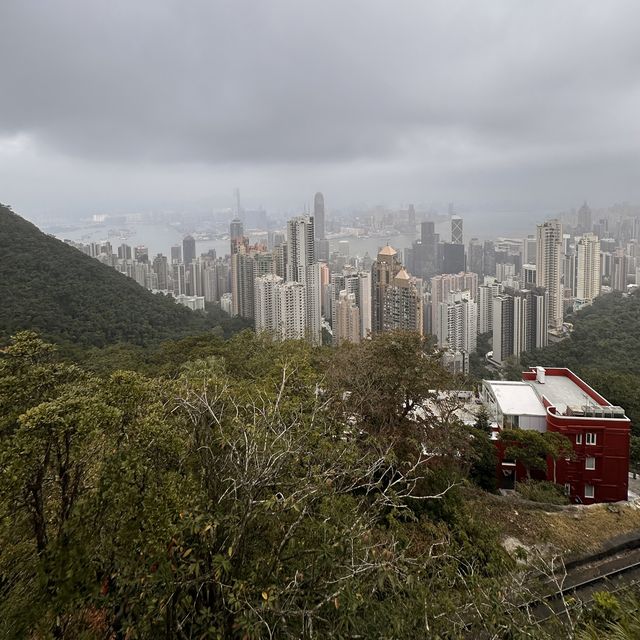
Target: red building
x: 558, y: 400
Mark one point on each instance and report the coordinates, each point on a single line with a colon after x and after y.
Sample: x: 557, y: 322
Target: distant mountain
x: 69, y: 297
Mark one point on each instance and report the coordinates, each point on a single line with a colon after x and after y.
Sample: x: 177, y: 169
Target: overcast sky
x: 126, y: 105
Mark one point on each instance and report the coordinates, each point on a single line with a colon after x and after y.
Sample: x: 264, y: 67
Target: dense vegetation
x: 604, y: 349
x: 261, y: 491
x: 50, y: 287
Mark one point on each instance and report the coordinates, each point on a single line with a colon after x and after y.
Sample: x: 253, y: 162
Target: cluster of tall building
x: 192, y: 280
x: 294, y: 287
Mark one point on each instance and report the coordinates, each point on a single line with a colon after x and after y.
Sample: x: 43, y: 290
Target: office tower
x: 489, y: 259
x: 188, y: 250
x: 383, y: 271
x: 549, y: 240
x: 236, y: 235
x: 529, y: 275
x: 302, y: 267
x: 486, y: 293
x: 585, y: 223
x: 280, y: 256
x: 403, y: 305
x: 176, y: 253
x: 453, y: 260
x: 457, y: 236
x: 124, y: 252
x: 347, y: 325
x: 421, y: 258
x: 161, y: 269
x: 529, y: 250
x: 457, y: 325
x: 141, y: 254
x: 318, y: 216
x: 474, y: 256
x: 619, y: 270
x: 587, y: 268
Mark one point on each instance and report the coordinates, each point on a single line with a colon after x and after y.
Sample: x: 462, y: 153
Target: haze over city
x: 513, y: 107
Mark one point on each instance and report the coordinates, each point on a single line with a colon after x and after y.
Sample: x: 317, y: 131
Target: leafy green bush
x: 542, y: 491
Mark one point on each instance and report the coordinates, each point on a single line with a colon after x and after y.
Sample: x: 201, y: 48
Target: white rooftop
x: 561, y: 392
x: 516, y: 398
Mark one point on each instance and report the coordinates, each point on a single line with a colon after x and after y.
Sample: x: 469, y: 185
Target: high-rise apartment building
x: 403, y: 304
x: 280, y: 308
x: 587, y: 269
x: 619, y: 270
x: 441, y: 285
x: 486, y: 293
x: 383, y: 271
x: 347, y: 324
x: 549, y: 241
x: 520, y: 321
x: 301, y: 266
x: 457, y: 326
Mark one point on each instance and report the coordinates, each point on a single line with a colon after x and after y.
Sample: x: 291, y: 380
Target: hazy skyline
x: 507, y: 105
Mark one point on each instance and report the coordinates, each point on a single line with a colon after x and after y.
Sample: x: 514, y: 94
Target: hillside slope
x: 604, y: 349
x: 52, y: 288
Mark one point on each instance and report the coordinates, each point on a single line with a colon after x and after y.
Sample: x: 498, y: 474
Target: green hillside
x: 604, y: 349
x: 67, y: 296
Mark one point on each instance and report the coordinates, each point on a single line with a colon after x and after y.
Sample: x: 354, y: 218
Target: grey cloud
x: 462, y: 92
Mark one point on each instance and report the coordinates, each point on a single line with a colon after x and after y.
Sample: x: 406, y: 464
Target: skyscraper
x: 383, y: 272
x: 549, y: 268
x: 302, y: 267
x: 457, y: 235
x: 161, y: 269
x: 176, y: 253
x: 236, y: 232
x: 347, y: 325
x: 403, y: 308
x: 188, y: 250
x: 588, y: 268
x: 318, y: 215
x: 619, y: 269
x: 585, y: 221
x: 457, y: 326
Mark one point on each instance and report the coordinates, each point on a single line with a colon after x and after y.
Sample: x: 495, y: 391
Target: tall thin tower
x: 549, y: 268
x: 318, y: 215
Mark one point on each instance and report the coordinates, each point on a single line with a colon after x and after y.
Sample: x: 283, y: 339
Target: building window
x: 589, y: 491
x: 578, y: 438
x: 590, y: 463
x: 591, y: 438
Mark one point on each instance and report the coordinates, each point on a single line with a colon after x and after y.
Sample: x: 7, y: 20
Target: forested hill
x: 604, y: 348
x: 67, y: 296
